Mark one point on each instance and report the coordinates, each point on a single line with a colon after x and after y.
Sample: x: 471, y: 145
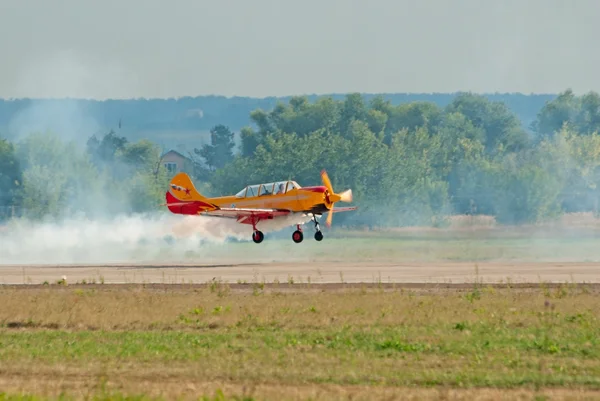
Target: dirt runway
x: 332, y: 272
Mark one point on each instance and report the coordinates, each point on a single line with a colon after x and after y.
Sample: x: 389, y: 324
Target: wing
x: 243, y: 213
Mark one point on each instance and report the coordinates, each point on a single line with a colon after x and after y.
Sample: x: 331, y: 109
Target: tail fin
x: 182, y: 187
x: 183, y: 198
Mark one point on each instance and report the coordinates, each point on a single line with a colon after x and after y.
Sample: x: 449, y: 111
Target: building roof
x: 176, y: 152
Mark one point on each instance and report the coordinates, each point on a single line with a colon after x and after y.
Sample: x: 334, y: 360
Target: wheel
x: 258, y: 236
x: 297, y: 236
x: 318, y: 235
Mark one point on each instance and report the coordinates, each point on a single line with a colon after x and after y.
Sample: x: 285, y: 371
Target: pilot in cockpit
x: 280, y: 189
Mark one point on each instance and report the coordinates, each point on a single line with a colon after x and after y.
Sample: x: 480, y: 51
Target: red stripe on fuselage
x: 319, y: 188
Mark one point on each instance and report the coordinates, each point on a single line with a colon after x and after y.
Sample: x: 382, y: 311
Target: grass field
x: 407, y: 246
x: 301, y: 342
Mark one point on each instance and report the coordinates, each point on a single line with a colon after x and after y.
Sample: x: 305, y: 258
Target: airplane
x: 259, y: 204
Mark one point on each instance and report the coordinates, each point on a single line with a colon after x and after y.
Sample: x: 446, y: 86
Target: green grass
x: 404, y: 248
x: 487, y: 355
x: 480, y: 338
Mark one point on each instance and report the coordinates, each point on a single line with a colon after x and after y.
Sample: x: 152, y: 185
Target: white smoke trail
x: 137, y: 238
x: 154, y: 238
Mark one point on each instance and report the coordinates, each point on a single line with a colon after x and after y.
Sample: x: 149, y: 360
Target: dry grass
x: 359, y: 344
x: 460, y: 223
x: 583, y: 219
x: 177, y: 388
x: 216, y: 303
x: 471, y: 221
x: 566, y: 220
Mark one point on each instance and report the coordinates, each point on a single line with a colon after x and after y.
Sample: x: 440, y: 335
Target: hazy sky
x: 152, y: 48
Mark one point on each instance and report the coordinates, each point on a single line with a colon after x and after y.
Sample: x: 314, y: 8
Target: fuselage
x: 305, y: 199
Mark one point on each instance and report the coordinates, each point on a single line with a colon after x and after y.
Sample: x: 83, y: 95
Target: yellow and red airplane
x: 259, y: 204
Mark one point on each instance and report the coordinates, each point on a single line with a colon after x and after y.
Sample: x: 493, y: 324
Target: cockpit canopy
x: 270, y: 188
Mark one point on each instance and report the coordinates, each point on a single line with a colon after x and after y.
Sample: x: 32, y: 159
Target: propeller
x: 331, y: 197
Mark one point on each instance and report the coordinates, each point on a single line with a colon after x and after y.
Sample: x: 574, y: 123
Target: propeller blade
x: 334, y: 198
x: 346, y: 196
x: 326, y: 181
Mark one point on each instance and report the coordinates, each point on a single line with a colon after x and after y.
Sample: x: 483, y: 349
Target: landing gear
x: 257, y: 236
x: 297, y: 236
x: 318, y: 234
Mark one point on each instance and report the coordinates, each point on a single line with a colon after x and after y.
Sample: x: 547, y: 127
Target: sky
x: 159, y: 48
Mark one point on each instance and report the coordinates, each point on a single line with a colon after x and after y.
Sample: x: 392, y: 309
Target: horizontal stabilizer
x: 343, y: 209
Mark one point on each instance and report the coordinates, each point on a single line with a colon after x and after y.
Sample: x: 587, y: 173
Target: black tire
x: 258, y: 237
x: 319, y: 236
x: 297, y: 236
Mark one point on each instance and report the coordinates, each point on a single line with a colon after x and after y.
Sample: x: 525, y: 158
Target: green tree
x: 298, y: 117
x: 10, y: 174
x: 414, y: 115
x: 104, y: 151
x: 141, y: 154
x: 577, y: 158
x: 352, y: 109
x: 219, y: 152
x: 503, y: 130
x: 147, y: 178
x: 412, y: 190
x: 59, y: 178
x: 461, y: 148
x: 560, y: 111
x: 581, y: 113
x: 525, y: 192
x: 250, y: 141
x: 56, y: 176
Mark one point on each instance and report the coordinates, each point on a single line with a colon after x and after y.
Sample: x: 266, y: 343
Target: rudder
x: 183, y: 198
x: 182, y: 187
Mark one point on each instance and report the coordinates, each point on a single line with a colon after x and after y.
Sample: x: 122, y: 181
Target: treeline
x: 414, y: 163
x: 408, y: 164
x: 154, y: 119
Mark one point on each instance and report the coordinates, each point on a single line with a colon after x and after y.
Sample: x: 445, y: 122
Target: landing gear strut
x: 318, y: 233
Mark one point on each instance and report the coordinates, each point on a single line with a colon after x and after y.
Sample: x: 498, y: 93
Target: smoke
x: 120, y: 239
x: 74, y: 76
x: 67, y: 117
x: 137, y: 238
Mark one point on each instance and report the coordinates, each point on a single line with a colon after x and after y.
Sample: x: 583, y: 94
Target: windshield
x: 241, y: 194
